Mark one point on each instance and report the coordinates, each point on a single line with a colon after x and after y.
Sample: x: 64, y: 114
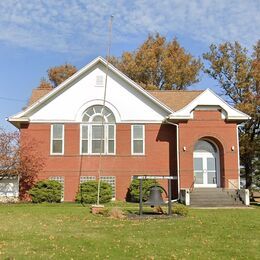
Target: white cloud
x: 80, y: 26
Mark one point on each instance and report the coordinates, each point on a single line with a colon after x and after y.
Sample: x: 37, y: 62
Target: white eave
x: 23, y: 115
x: 209, y: 99
x: 17, y: 121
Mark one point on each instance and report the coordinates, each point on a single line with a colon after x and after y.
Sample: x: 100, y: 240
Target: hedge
x: 88, y: 192
x: 46, y: 191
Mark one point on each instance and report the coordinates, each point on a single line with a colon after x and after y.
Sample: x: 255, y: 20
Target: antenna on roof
x: 103, y: 106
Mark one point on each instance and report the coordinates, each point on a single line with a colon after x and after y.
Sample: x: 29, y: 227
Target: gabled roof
x: 208, y: 98
x: 178, y: 104
x: 24, y: 114
x: 37, y: 94
x: 175, y: 99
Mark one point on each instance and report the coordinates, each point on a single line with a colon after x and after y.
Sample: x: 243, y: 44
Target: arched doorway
x: 206, y: 164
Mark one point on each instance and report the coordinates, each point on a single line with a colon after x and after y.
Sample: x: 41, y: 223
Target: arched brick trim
x: 215, y: 138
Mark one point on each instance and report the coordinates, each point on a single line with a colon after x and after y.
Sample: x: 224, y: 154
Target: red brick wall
x: 160, y: 153
x: 159, y: 158
x: 208, y: 124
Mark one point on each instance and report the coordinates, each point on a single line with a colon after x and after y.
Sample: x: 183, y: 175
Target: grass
x: 69, y: 231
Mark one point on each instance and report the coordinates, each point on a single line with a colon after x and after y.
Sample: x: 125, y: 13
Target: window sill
x: 97, y: 154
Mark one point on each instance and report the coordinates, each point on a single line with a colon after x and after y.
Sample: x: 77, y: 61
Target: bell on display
x: 155, y: 197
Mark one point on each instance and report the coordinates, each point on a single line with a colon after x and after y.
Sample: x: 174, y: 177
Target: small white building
x: 9, y: 189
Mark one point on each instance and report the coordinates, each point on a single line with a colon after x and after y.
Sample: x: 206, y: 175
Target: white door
x: 205, y: 165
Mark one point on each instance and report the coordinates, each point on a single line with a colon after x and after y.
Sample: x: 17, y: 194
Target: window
x: 59, y: 179
x: 87, y: 178
x: 57, y: 139
x: 112, y: 181
x: 138, y: 139
x: 205, y: 146
x: 98, y: 131
x: 100, y: 81
x: 84, y: 139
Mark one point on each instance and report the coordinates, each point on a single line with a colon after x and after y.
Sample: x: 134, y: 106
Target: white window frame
x: 62, y: 139
x: 114, y: 125
x: 80, y: 141
x: 106, y: 139
x: 132, y: 140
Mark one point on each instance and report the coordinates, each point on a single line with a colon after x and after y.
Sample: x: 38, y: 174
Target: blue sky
x: 36, y: 35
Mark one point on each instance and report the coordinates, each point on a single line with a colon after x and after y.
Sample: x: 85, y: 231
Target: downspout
x: 238, y: 158
x: 178, y: 157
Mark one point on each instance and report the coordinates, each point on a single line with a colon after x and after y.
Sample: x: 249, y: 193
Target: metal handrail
x: 235, y: 186
x: 192, y: 185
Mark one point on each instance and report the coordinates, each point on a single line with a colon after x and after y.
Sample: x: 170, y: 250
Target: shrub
x: 46, y: 191
x: 133, y: 190
x: 88, y: 192
x: 180, y: 209
x: 116, y: 213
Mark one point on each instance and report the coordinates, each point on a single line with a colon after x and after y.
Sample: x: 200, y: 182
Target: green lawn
x: 69, y: 231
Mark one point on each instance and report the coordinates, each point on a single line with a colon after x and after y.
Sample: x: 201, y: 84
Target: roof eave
x: 17, y: 121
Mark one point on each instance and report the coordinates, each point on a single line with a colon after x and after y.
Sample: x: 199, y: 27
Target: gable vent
x: 100, y: 81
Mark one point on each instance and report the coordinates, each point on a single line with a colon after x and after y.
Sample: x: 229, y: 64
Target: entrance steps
x: 215, y: 197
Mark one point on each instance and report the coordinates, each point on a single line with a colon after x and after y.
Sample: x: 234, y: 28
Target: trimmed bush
x: 46, y: 191
x: 133, y: 190
x: 88, y: 192
x: 180, y: 209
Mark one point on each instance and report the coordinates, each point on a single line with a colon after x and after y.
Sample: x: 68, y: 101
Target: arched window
x: 205, y: 146
x: 98, y: 131
x: 96, y: 114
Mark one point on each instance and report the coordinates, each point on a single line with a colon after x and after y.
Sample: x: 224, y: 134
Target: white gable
x: 126, y: 99
x: 209, y: 99
x: 66, y: 103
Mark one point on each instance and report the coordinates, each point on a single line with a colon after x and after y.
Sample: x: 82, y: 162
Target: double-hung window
x: 138, y: 139
x: 98, y: 131
x: 57, y: 139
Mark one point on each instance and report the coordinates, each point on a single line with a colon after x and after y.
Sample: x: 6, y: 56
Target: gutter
x: 178, y: 157
x: 238, y: 157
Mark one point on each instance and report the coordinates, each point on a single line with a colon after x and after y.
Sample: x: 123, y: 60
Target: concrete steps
x: 215, y: 197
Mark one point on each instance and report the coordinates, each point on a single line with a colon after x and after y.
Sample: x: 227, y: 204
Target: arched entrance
x: 206, y: 164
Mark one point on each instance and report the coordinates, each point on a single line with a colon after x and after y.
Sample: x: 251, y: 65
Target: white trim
x: 80, y: 139
x: 135, y: 122
x: 132, y: 139
x: 216, y: 156
x: 51, y: 140
x: 238, y: 157
x: 209, y: 98
x: 80, y: 113
x: 78, y: 74
x: 80, y: 121
x: 106, y: 126
x: 114, y: 125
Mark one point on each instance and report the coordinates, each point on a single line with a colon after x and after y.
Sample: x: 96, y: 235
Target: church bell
x: 155, y: 197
